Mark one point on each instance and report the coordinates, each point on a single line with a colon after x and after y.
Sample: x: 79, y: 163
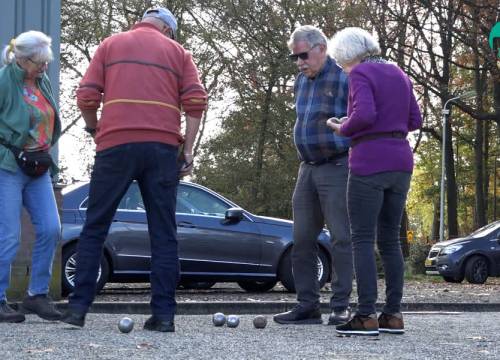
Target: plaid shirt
x: 316, y: 100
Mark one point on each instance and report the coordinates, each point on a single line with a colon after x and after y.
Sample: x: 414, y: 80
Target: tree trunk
x: 446, y: 14
x: 259, y: 156
x: 496, y: 98
x: 435, y: 222
x: 495, y: 179
x: 479, y: 213
x: 487, y: 171
x: 403, y: 234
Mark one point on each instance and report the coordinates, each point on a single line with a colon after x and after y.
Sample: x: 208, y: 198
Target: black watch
x: 90, y: 130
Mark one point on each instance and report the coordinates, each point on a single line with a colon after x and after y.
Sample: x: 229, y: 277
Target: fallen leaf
x: 39, y: 351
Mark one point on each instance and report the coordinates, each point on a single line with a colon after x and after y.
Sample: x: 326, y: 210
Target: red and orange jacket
x: 144, y: 81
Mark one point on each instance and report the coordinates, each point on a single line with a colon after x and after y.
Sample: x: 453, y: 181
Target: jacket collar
x: 329, y: 62
x: 18, y: 72
x: 144, y: 25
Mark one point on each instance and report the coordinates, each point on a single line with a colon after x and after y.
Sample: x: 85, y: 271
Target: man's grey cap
x: 164, y: 15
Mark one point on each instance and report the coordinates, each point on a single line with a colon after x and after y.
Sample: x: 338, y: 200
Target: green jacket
x: 15, y: 115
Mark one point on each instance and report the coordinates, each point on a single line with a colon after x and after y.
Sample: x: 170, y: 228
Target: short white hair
x: 311, y: 34
x: 353, y: 44
x: 34, y: 45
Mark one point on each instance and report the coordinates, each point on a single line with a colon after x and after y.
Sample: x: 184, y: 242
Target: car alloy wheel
x: 69, y: 267
x: 70, y: 270
x: 285, y: 273
x: 476, y: 270
x: 321, y: 268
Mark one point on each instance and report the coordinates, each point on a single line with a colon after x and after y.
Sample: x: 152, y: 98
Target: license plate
x: 428, y: 262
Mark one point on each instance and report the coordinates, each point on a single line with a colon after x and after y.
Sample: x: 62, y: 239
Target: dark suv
x: 474, y: 257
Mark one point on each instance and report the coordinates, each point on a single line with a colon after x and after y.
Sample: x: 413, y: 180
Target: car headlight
x: 450, y: 249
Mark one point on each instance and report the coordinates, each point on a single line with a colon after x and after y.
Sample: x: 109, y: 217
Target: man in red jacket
x: 144, y: 80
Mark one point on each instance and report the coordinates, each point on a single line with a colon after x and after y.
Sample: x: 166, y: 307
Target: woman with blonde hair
x: 382, y: 109
x: 29, y: 126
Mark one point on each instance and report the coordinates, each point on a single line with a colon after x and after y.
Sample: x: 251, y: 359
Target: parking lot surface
x: 428, y: 290
x: 444, y: 335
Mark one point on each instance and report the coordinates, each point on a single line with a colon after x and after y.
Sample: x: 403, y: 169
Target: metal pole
x: 441, y: 198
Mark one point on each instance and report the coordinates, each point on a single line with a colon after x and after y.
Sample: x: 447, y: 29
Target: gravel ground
x: 429, y: 290
x: 428, y: 336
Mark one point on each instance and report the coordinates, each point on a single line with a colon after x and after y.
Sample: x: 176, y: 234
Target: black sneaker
x: 41, y: 305
x: 360, y: 325
x: 339, y: 316
x: 9, y: 315
x: 73, y: 318
x: 299, y: 315
x: 156, y: 324
x: 391, y: 323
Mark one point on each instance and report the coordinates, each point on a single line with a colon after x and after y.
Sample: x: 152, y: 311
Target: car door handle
x: 185, y: 224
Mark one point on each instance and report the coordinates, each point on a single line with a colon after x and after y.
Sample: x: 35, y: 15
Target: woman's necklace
x: 29, y: 92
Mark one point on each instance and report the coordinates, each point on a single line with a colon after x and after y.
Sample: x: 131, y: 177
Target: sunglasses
x: 302, y: 55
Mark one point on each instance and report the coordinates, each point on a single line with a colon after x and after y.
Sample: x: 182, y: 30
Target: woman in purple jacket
x: 382, y: 110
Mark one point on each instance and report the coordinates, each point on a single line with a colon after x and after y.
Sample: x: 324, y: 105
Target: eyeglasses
x: 38, y: 64
x: 303, y: 55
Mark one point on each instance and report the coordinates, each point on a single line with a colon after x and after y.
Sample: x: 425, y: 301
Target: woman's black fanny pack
x: 32, y: 163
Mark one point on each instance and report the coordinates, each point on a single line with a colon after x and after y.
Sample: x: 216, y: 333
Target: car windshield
x: 485, y: 230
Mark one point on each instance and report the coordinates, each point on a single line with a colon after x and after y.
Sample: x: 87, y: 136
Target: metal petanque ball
x: 260, y: 322
x: 233, y: 321
x: 126, y: 325
x: 219, y: 319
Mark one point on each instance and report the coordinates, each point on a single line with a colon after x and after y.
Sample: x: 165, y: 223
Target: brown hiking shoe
x: 360, y: 325
x: 391, y: 324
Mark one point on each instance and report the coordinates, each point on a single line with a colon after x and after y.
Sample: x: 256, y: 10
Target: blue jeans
x: 154, y: 167
x: 320, y: 197
x: 375, y: 205
x: 37, y: 196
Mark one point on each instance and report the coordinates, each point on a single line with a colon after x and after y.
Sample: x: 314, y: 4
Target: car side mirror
x: 233, y: 216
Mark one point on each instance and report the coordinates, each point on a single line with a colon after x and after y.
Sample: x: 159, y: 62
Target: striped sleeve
x: 89, y: 92
x: 193, y: 95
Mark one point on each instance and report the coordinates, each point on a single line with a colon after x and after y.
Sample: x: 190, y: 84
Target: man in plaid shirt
x: 321, y: 92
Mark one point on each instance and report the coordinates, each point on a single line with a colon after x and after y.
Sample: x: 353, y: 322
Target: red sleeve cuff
x: 88, y: 104
x: 195, y: 113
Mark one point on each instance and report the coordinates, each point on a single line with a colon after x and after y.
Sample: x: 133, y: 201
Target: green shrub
x: 418, y: 254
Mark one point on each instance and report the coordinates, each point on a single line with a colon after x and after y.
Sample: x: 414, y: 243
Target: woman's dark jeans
x: 375, y: 205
